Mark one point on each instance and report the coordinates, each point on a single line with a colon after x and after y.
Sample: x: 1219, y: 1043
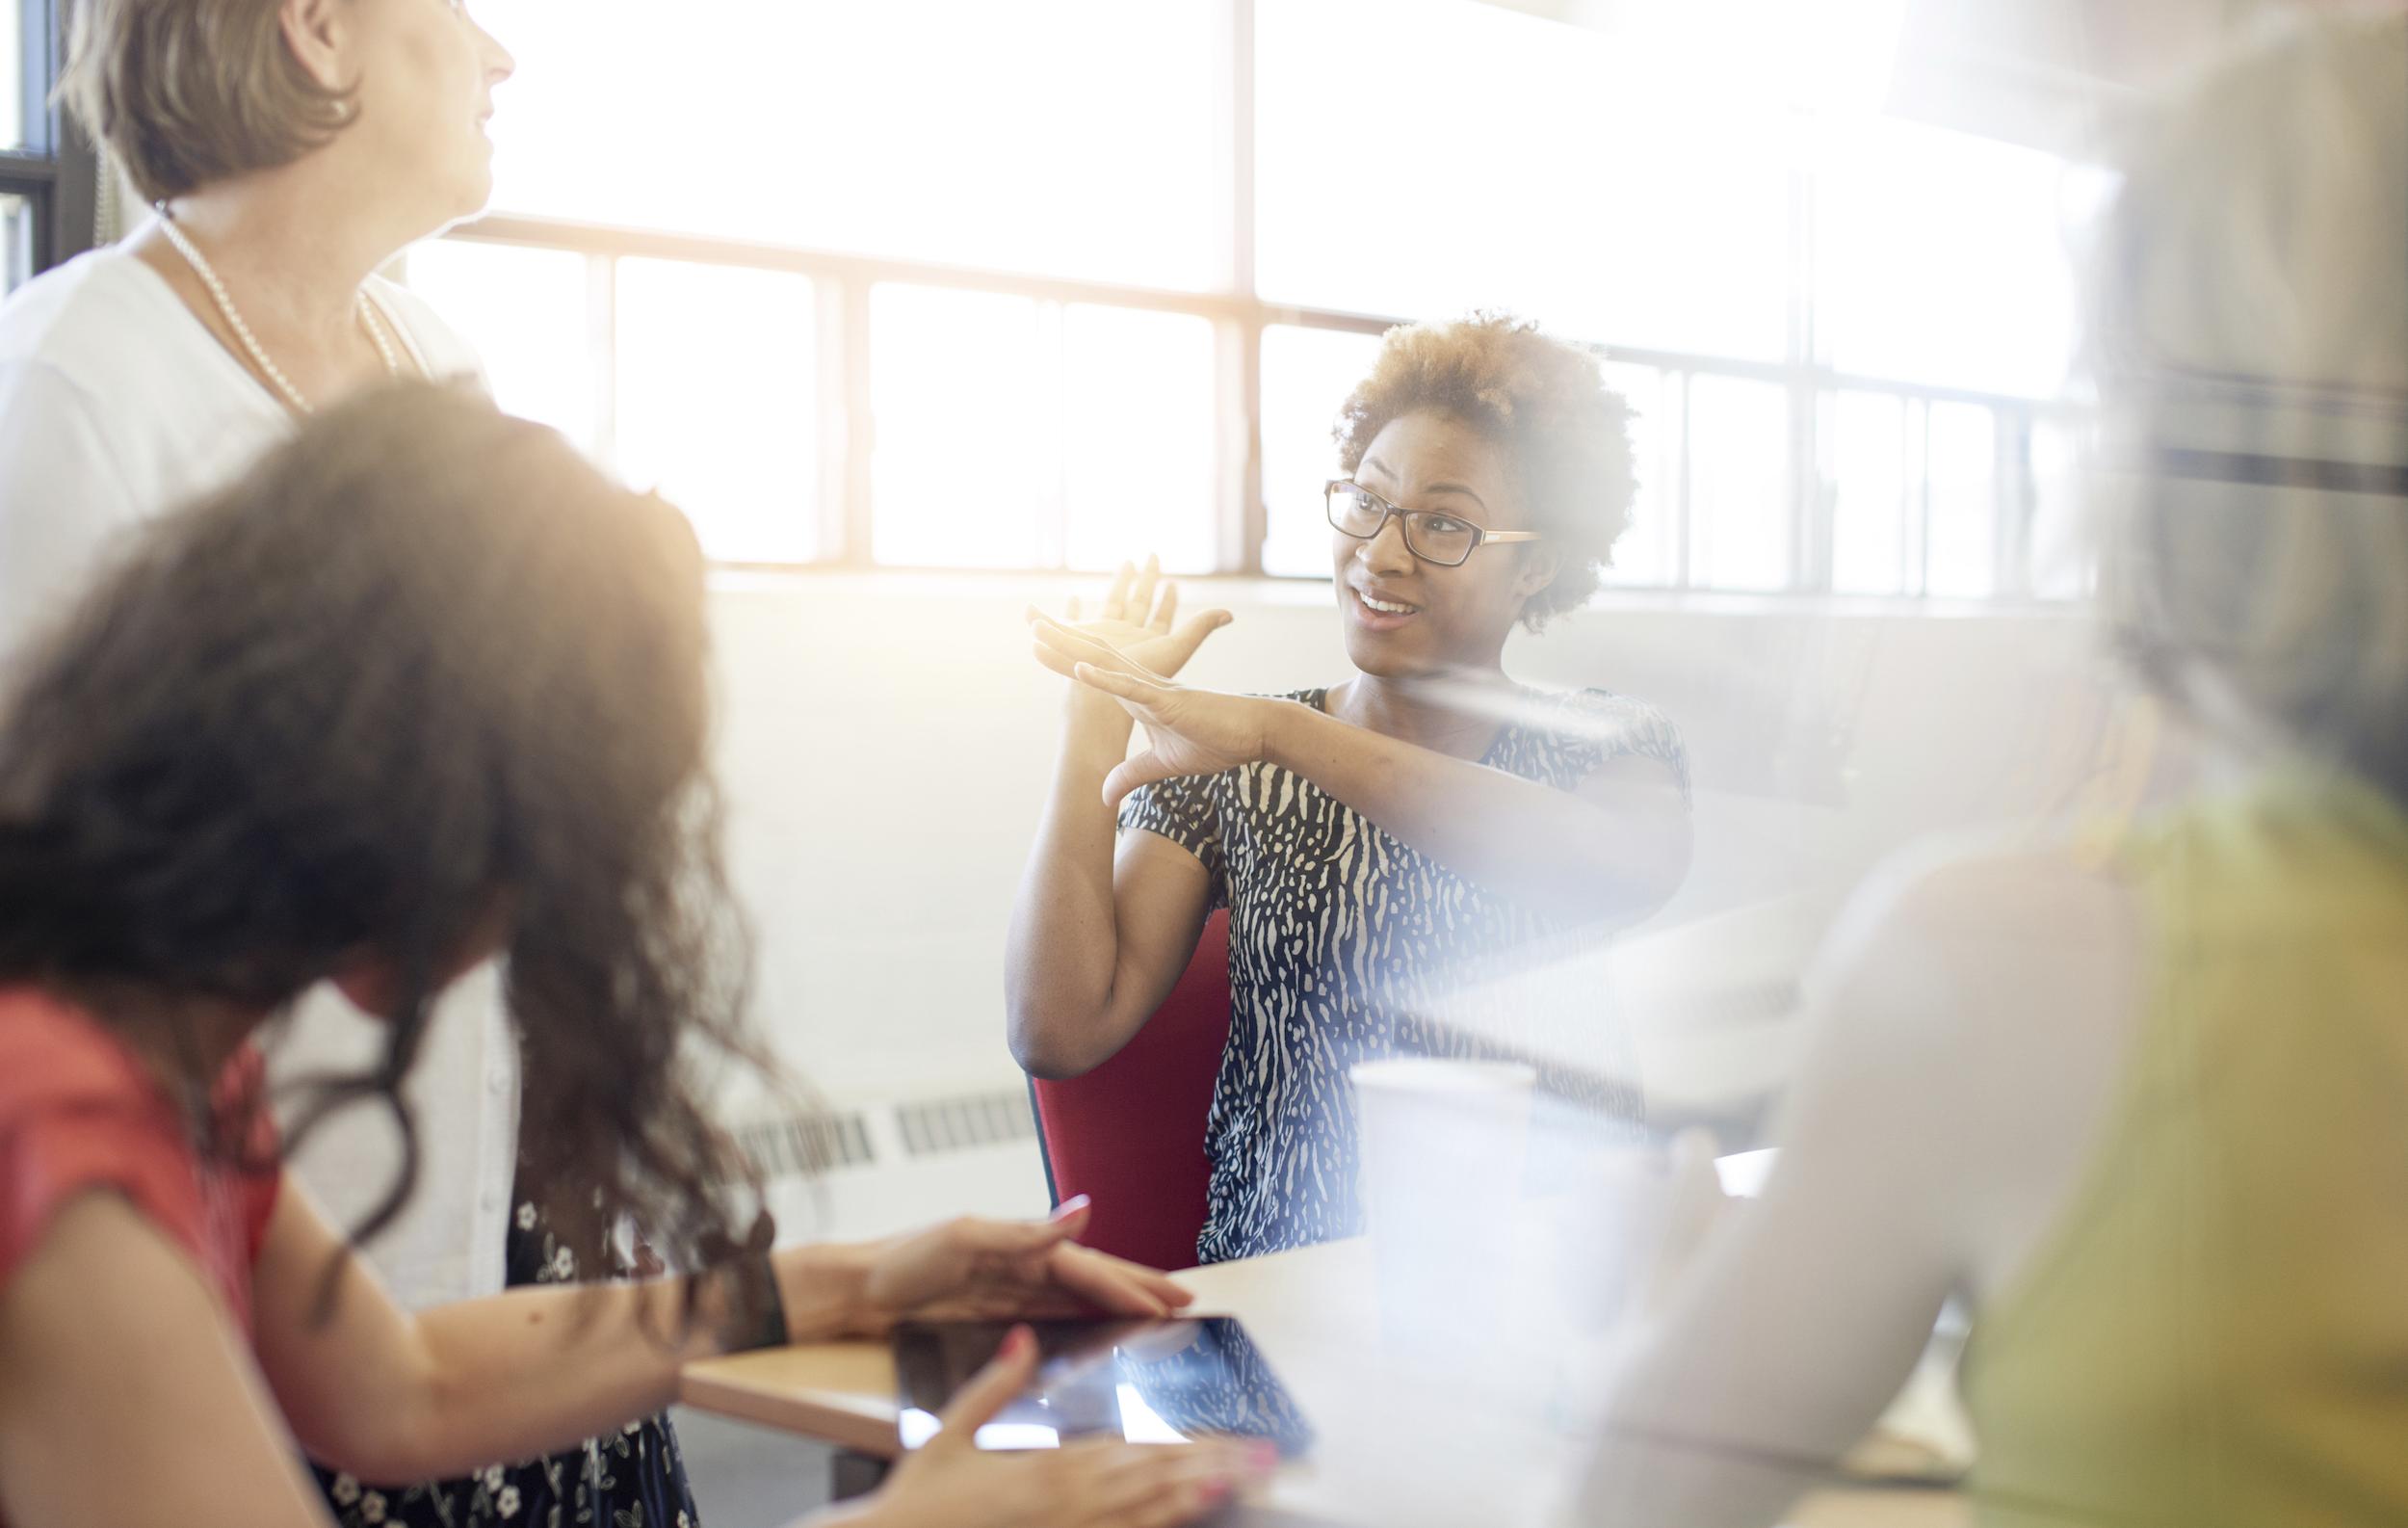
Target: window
x: 13, y: 20
x: 49, y: 180
x: 1522, y: 184
x: 1742, y: 511
x: 1307, y: 374
x: 526, y: 313
x: 939, y: 283
x: 1876, y: 527
x: 1651, y: 553
x: 16, y: 241
x: 732, y: 438
x: 964, y: 450
x: 1941, y: 259
x: 1080, y: 138
x: 1140, y: 459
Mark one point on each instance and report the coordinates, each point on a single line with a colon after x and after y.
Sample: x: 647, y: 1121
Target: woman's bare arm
x: 127, y: 1398
x: 1968, y: 1026
x: 1103, y: 925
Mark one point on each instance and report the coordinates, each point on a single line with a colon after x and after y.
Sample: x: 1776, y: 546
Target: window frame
x: 1241, y: 316
x: 55, y: 171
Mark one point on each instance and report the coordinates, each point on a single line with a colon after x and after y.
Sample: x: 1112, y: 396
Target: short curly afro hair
x: 1543, y: 402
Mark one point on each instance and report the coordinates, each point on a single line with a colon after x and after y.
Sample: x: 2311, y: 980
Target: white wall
x: 886, y: 739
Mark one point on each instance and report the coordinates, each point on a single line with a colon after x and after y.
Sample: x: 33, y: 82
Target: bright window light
x: 1069, y: 137
x: 1307, y: 374
x: 1141, y: 411
x: 731, y: 437
x: 963, y: 396
x: 1739, y: 484
x: 1944, y: 259
x: 1427, y: 157
x: 1649, y: 552
x: 1875, y: 520
x: 11, y: 73
x: 525, y: 311
x: 1962, y: 452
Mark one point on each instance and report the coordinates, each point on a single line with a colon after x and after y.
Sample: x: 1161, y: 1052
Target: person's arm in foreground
x: 1611, y: 849
x: 1104, y: 924
x: 1961, y: 1051
x: 127, y: 1398
x: 389, y: 1395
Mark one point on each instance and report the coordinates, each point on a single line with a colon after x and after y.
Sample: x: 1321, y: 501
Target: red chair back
x: 1131, y: 1133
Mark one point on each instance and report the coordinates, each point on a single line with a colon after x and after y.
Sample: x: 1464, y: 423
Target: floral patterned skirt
x: 634, y: 1478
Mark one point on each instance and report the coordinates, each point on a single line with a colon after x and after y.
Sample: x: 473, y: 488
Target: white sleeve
x: 64, y: 501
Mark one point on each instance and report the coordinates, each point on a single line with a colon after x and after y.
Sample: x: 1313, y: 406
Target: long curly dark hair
x: 423, y: 665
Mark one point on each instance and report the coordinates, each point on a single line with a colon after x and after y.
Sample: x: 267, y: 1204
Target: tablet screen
x: 1148, y: 1381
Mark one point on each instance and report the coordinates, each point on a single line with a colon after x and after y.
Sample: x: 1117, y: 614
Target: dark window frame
x: 55, y: 169
x: 1241, y: 316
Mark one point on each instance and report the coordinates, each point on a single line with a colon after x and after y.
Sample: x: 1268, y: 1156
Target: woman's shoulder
x: 80, y: 1114
x: 77, y: 1111
x: 53, y: 1055
x: 82, y: 318
x: 1973, y: 924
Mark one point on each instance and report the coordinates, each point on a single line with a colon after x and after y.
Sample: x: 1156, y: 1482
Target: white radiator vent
x: 887, y: 1167
x: 807, y: 1146
x: 933, y: 1126
x: 816, y: 1143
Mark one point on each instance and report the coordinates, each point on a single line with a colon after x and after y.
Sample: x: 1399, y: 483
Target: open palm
x: 1139, y: 615
x: 1187, y: 731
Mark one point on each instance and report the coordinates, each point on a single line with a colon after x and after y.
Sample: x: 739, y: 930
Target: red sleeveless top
x: 79, y: 1111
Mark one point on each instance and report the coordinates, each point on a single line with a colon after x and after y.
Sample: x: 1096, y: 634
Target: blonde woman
x: 2143, y: 1101
x: 291, y: 149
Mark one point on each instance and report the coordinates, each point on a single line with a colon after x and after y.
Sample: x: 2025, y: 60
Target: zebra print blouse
x: 1347, y: 944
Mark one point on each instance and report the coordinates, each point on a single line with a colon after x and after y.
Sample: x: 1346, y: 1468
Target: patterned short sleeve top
x: 1347, y: 944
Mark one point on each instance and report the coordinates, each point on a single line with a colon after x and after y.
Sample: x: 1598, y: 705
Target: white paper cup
x: 1443, y: 1149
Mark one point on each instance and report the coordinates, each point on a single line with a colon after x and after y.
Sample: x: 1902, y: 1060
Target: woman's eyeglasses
x: 1444, y: 540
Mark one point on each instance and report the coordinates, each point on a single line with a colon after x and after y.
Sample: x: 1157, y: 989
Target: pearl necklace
x: 368, y: 319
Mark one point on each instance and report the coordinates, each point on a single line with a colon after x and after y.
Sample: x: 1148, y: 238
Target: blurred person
x: 206, y: 808
x: 1397, y: 851
x: 291, y: 149
x: 2140, y: 1097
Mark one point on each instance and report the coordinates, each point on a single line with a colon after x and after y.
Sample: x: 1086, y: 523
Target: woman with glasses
x: 1413, y: 859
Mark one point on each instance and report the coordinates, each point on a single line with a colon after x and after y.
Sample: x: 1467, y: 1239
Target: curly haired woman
x: 1399, y: 851
x: 422, y: 687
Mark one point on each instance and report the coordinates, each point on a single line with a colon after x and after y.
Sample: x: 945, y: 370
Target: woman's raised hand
x: 1187, y: 731
x: 1138, y: 617
x: 950, y: 1483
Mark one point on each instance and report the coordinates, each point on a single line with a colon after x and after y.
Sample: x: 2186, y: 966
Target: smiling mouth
x: 1386, y: 607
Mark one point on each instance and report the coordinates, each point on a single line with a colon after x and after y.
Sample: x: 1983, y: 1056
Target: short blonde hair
x: 187, y: 92
x: 2250, y: 333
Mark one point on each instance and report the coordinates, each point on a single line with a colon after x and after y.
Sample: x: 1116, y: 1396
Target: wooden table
x: 1392, y: 1448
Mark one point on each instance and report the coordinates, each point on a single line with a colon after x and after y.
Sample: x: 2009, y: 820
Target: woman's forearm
x: 1064, y: 950
x: 537, y: 1370
x: 1565, y: 855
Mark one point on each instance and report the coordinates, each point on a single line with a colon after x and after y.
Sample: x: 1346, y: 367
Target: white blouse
x: 116, y: 402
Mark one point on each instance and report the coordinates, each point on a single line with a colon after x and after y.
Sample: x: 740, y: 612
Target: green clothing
x: 2217, y: 1331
